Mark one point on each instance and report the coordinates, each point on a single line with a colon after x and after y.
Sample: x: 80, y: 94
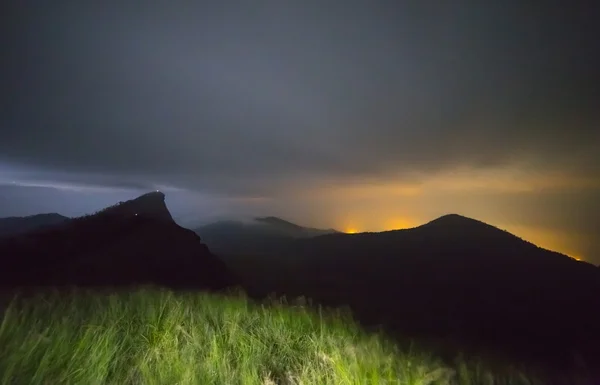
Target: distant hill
x: 19, y: 225
x: 291, y: 229
x: 454, y: 278
x: 133, y: 242
x: 258, y: 236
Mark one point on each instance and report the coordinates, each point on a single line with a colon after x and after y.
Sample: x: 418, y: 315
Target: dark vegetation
x: 457, y: 283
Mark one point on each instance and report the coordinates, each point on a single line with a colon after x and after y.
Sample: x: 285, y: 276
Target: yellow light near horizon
x: 564, y: 243
x: 351, y: 231
x: 399, y: 224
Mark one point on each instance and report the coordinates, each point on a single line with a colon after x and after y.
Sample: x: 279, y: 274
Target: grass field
x: 159, y: 337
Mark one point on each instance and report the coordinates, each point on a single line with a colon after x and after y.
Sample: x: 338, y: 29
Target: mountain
x: 133, y: 242
x: 291, y: 229
x: 454, y: 278
x: 263, y: 235
x: 279, y: 223
x: 12, y: 226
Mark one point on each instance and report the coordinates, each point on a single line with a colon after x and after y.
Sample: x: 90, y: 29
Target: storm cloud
x: 272, y: 99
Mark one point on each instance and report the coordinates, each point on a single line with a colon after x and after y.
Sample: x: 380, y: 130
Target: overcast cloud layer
x: 283, y: 101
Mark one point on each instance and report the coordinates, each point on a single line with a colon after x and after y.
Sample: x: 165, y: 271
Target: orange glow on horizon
x: 396, y: 223
x: 492, y: 195
x: 399, y: 224
x: 555, y: 240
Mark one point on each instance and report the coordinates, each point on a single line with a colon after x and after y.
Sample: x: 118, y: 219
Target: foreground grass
x: 159, y: 337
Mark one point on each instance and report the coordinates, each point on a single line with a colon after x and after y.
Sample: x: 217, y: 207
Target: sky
x: 356, y: 115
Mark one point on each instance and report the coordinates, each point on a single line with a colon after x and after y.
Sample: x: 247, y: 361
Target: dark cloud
x: 212, y: 96
x: 31, y: 200
x: 250, y: 100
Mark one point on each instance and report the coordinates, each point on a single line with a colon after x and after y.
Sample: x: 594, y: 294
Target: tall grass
x: 163, y: 338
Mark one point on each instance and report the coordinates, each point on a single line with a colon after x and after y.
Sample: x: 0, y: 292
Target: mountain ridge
x: 276, y: 221
x: 11, y: 226
x: 229, y: 237
x: 130, y: 243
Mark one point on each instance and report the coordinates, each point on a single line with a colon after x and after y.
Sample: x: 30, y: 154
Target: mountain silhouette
x: 259, y: 236
x: 292, y: 229
x: 454, y: 278
x: 279, y: 223
x: 133, y: 242
x: 12, y: 226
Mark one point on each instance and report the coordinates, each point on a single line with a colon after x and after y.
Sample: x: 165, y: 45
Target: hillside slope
x: 454, y: 278
x: 260, y: 236
x: 12, y: 226
x: 134, y: 242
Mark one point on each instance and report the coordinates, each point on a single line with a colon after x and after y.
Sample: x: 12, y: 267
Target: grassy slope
x: 159, y: 337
